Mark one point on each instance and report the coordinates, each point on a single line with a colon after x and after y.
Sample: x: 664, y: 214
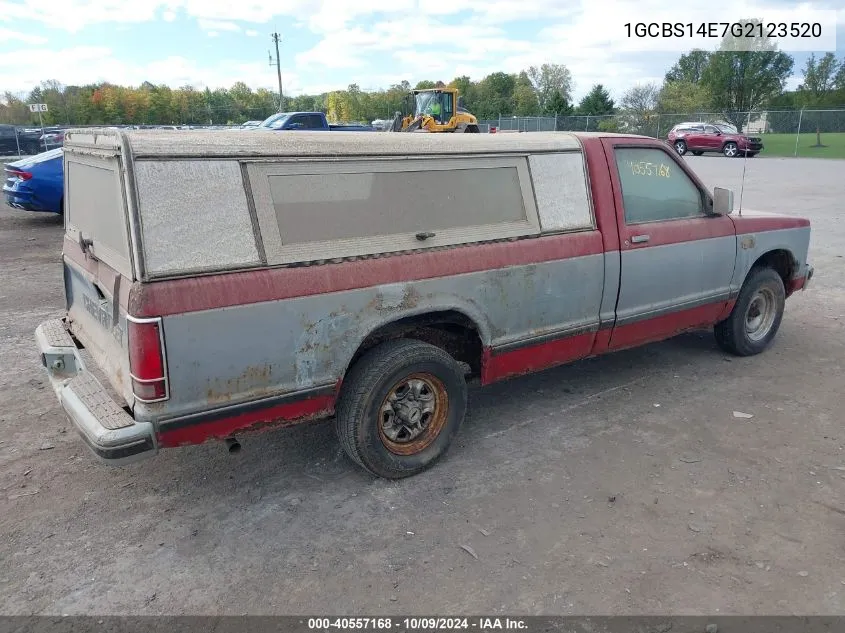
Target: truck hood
x: 751, y: 221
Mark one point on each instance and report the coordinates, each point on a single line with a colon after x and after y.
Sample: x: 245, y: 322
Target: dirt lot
x: 617, y: 485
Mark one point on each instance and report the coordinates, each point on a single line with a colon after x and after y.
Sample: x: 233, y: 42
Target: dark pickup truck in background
x: 16, y: 140
x: 312, y: 121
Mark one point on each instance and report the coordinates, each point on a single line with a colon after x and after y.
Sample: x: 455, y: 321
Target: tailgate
x: 97, y: 260
x: 97, y: 319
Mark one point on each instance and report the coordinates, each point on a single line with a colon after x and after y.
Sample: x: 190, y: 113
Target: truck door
x: 676, y: 260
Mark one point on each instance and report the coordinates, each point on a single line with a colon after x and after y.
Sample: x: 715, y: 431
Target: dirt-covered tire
x: 400, y: 406
x: 756, y: 316
x: 680, y: 147
x: 730, y: 149
x: 697, y: 153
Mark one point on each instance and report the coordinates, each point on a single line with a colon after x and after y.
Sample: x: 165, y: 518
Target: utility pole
x: 276, y: 38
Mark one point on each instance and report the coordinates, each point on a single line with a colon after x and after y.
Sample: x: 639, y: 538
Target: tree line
x: 726, y: 81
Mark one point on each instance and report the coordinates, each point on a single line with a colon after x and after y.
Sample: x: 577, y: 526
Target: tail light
x: 147, y: 361
x: 17, y: 173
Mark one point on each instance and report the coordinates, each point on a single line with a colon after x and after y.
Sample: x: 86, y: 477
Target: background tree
x: 525, y: 102
x: 639, y: 107
x: 820, y: 78
x: 690, y: 67
x: 495, y: 94
x: 596, y: 102
x: 839, y: 81
x: 682, y: 96
x: 550, y: 80
x: 558, y: 105
x: 466, y: 89
x: 745, y: 80
x: 13, y: 109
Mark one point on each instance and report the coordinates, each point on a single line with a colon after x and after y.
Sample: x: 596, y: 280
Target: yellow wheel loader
x: 435, y: 110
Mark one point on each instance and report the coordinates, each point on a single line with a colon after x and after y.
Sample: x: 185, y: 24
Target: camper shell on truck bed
x: 220, y: 281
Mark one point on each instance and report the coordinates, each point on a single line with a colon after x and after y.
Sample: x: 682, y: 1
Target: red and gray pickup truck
x: 221, y: 282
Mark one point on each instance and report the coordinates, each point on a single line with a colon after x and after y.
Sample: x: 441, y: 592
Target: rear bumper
x: 15, y: 197
x: 108, y: 430
x: 28, y: 201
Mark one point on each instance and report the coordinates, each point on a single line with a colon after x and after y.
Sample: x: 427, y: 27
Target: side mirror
x: 723, y: 201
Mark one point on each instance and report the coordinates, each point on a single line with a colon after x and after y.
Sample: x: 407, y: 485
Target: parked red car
x: 708, y: 137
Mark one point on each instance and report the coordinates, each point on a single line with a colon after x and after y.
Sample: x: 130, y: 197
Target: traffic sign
x: 38, y: 107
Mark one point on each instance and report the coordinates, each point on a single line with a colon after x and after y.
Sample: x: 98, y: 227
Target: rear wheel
x: 697, y: 153
x: 680, y: 147
x: 400, y: 407
x: 471, y: 129
x: 755, y: 319
x: 730, y: 149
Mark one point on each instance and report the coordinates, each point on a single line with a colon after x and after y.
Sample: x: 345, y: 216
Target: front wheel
x: 697, y: 153
x: 730, y: 149
x: 400, y: 407
x: 681, y: 147
x: 756, y: 316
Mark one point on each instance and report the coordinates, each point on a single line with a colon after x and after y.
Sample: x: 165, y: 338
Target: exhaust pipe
x: 233, y: 445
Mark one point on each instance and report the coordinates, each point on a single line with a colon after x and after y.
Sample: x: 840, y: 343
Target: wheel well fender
x: 781, y: 260
x: 449, y: 329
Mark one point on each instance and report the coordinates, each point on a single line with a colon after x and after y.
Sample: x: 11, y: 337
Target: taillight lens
x: 146, y: 360
x: 23, y: 175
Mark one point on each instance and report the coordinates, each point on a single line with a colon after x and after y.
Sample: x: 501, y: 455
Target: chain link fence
x: 802, y: 133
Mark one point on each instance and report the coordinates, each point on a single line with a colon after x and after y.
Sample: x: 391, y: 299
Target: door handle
x: 639, y: 239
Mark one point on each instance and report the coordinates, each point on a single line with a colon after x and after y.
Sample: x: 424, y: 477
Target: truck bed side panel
x: 254, y: 355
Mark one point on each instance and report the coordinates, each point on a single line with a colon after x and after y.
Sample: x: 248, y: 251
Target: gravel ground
x: 619, y: 485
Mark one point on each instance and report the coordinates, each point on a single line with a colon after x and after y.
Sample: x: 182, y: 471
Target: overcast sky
x: 328, y: 44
